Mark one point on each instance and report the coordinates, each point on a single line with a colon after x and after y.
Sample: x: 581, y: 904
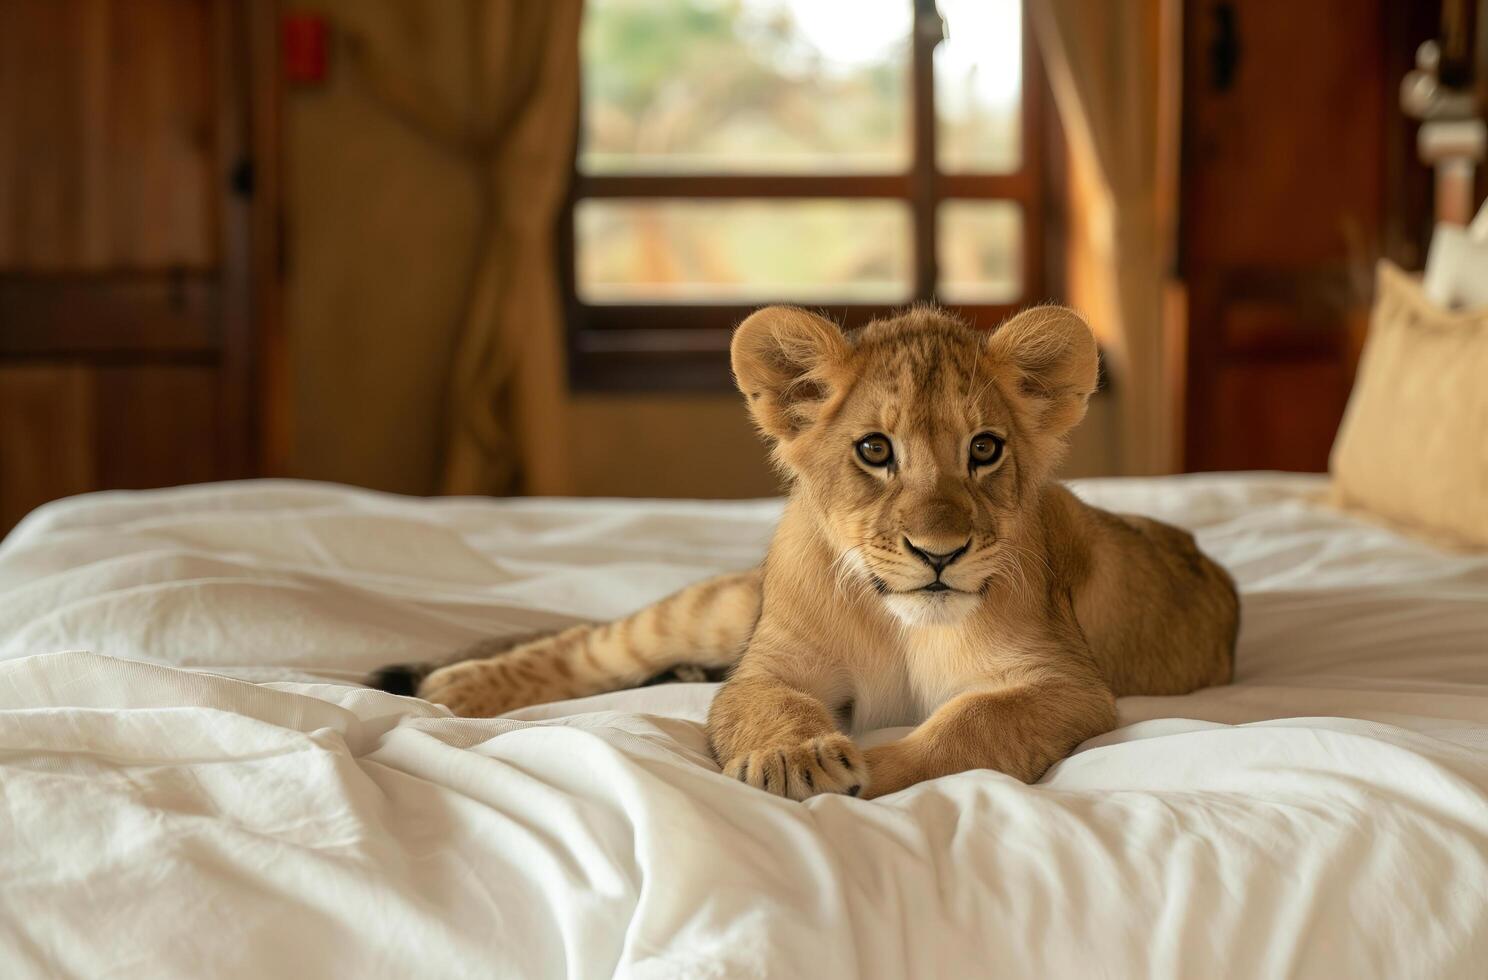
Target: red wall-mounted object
x: 304, y: 40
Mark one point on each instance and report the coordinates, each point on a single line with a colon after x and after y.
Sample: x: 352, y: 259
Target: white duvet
x: 192, y: 784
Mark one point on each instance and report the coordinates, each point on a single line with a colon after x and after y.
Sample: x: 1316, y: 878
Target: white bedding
x: 1325, y: 816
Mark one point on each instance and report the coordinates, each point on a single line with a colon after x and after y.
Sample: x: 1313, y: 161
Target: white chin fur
x: 931, y: 609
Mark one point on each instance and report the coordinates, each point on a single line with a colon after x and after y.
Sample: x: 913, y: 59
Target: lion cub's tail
x: 703, y: 626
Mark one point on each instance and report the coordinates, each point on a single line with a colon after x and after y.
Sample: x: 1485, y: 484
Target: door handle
x: 1224, y: 47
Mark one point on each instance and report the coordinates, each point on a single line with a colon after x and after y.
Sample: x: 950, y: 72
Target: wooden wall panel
x: 46, y: 436
x: 1279, y: 415
x: 106, y: 120
x: 157, y: 426
x: 1284, y: 162
x: 1296, y: 162
x: 71, y: 428
x: 97, y: 315
x: 133, y: 241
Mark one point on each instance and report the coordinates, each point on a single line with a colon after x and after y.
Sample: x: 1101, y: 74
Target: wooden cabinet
x: 129, y: 243
x: 1298, y: 172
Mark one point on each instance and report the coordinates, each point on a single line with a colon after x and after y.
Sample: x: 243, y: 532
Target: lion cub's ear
x: 1054, y: 355
x: 786, y: 362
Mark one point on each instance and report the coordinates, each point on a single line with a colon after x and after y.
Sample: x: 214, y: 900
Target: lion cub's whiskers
x: 850, y: 576
x: 1006, y: 568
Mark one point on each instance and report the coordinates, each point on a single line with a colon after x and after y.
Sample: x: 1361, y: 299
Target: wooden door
x: 1298, y: 173
x: 126, y: 181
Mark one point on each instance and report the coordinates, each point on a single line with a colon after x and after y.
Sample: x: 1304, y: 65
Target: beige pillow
x: 1413, y: 446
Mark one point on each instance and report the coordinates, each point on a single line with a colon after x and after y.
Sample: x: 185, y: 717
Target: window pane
x: 804, y: 250
x: 979, y: 86
x: 980, y: 251
x: 677, y: 86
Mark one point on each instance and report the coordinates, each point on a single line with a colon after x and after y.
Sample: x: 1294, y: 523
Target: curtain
x: 512, y: 120
x: 1113, y: 70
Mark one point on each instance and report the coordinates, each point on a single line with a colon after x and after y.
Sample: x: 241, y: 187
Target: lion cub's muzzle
x: 937, y: 560
x: 942, y: 592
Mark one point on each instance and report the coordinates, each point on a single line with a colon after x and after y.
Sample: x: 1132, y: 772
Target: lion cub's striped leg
x: 705, y: 624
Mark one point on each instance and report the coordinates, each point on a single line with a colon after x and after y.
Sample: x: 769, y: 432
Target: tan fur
x: 1055, y: 608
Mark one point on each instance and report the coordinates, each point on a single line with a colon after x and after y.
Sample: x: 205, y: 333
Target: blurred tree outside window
x: 847, y: 154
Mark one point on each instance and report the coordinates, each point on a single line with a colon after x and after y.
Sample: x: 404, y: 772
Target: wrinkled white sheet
x: 1326, y: 816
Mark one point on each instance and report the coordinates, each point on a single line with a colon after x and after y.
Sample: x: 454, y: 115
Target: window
x: 848, y: 155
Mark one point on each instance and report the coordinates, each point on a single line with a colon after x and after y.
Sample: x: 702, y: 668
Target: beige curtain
x: 1113, y: 68
x: 513, y: 122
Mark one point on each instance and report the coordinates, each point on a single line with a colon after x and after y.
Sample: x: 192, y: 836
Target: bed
x: 193, y: 781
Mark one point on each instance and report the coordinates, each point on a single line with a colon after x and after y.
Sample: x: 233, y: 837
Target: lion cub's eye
x: 986, y: 449
x: 875, y: 449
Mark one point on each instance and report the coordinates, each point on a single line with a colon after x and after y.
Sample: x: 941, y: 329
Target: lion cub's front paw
x: 472, y: 689
x: 828, y: 764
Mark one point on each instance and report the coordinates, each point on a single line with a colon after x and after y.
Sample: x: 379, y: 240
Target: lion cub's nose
x: 936, y: 559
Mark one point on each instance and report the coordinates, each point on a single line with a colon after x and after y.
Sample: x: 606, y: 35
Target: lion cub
x: 927, y: 570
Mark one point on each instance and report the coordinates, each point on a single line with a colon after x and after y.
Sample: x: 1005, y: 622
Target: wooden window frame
x: 684, y: 346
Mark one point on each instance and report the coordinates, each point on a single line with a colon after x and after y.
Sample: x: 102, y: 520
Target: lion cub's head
x: 918, y: 443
